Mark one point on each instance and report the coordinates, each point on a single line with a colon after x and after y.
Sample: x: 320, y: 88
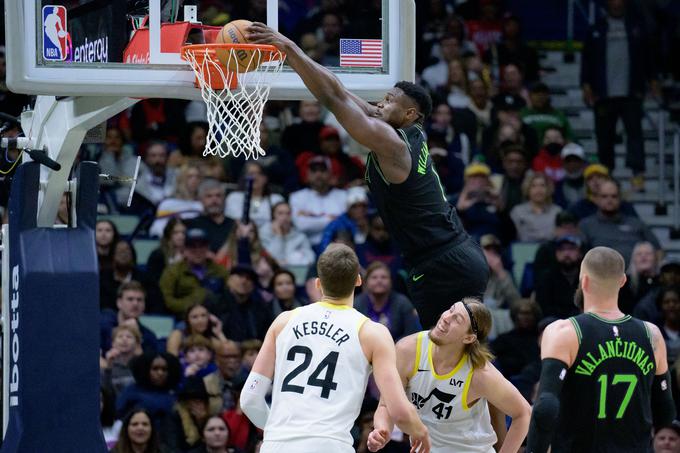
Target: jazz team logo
x: 55, y: 36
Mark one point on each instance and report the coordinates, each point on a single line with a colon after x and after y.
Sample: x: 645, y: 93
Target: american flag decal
x: 361, y: 52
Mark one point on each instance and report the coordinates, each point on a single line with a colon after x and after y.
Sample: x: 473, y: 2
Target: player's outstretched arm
x: 356, y: 116
x: 501, y: 394
x: 382, y: 422
x: 379, y: 348
x: 259, y: 380
x: 558, y: 351
x: 663, y: 407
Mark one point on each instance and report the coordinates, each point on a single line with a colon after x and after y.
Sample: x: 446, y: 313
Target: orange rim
x: 265, y: 48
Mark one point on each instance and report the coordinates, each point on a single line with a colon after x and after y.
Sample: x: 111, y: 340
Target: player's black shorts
x: 436, y: 283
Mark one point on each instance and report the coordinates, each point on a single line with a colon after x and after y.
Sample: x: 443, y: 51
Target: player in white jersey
x: 448, y: 375
x: 319, y: 357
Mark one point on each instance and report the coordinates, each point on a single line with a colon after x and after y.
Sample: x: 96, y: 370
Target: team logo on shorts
x: 55, y: 35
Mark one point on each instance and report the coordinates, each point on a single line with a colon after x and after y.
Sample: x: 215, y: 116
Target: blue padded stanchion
x: 54, y: 323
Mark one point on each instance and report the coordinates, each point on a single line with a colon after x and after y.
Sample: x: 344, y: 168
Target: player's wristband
x: 547, y: 405
x: 663, y: 408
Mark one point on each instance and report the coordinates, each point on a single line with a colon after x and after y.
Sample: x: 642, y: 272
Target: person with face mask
x: 549, y: 159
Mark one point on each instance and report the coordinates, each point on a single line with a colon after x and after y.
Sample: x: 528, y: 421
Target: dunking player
x: 320, y: 357
x: 604, y: 380
x: 444, y: 263
x: 448, y: 374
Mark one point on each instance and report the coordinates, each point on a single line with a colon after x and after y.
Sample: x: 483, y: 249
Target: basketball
x: 235, y: 33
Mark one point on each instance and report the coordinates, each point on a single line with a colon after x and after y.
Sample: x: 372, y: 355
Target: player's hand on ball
x: 377, y: 439
x: 259, y: 33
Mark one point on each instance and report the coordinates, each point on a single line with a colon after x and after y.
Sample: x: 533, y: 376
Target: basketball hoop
x: 235, y: 98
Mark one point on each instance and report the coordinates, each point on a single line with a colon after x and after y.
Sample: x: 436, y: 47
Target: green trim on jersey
x: 375, y: 162
x: 610, y: 321
x: 649, y: 334
x: 577, y: 328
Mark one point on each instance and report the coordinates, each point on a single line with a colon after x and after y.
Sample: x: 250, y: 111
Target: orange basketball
x: 240, y: 60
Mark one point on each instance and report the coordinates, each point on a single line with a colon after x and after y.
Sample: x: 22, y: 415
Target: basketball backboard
x: 131, y: 47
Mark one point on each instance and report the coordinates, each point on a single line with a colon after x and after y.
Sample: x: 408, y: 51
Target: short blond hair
x: 127, y: 328
x: 605, y: 267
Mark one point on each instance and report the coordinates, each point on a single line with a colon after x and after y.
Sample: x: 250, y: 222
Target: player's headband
x: 473, y: 321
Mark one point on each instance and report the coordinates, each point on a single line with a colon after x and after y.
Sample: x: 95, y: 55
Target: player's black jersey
x: 606, y: 399
x: 416, y: 212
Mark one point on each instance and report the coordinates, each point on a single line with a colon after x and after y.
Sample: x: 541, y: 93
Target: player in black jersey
x: 604, y: 380
x: 444, y: 263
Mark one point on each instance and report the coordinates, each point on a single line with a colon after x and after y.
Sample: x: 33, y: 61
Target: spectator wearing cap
x: 549, y: 158
x: 512, y: 49
x: 535, y: 217
x: 514, y: 162
x: 478, y: 202
x: 354, y: 220
x: 261, y: 201
x: 616, y: 66
x: 540, y: 115
x: 380, y: 303
x: 285, y: 243
x: 181, y: 429
x: 304, y: 134
x: 667, y: 438
x: 610, y: 227
x: 195, y: 280
x: 669, y: 275
x: 212, y: 222
x: 500, y: 291
x: 571, y: 188
x: 380, y: 246
x: 243, y: 312
x: 544, y: 260
x: 437, y: 74
x: 556, y: 289
x: 594, y: 175
x: 319, y: 204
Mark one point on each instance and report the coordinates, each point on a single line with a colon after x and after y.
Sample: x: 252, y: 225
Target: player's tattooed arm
x: 659, y: 347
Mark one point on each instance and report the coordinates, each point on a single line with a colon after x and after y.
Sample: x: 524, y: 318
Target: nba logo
x: 55, y: 36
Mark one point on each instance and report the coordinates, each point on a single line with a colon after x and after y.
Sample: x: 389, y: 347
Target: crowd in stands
x: 509, y: 161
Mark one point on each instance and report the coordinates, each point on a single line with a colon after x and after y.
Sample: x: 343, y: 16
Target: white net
x: 235, y: 100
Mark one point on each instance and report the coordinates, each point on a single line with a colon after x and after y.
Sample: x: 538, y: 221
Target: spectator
x: 480, y: 105
x: 115, y: 366
x: 215, y: 437
x: 549, y: 158
x: 610, y: 227
x: 572, y: 187
x: 488, y: 29
x: 478, y: 202
x: 437, y: 74
x: 106, y: 236
x: 192, y: 143
x: 643, y: 270
x: 616, y: 65
x: 506, y: 126
x: 156, y: 378
x: 138, y: 434
x: 242, y: 311
x: 667, y: 439
x: 385, y: 306
x: 213, y: 222
x: 111, y: 427
x: 196, y: 279
x: 283, y: 241
x: 317, y: 206
x: 250, y: 350
x: 283, y: 287
x: 330, y: 33
x: 454, y: 90
x: 555, y: 290
x: 243, y: 432
x: 565, y: 225
x: 242, y: 246
x: 354, y: 220
x: 669, y: 275
x: 511, y: 49
x: 130, y: 303
x: 171, y: 249
x: 541, y: 115
x: 449, y: 148
x: 595, y: 175
x: 117, y: 159
x: 518, y: 348
x: 515, y: 167
x: 500, y: 291
x: 379, y: 246
x: 184, y: 203
x: 512, y: 84
x: 345, y: 170
x: 156, y: 181
x: 197, y: 321
x: 535, y: 218
x: 261, y: 200
x: 199, y: 362
x: 153, y: 118
x: 124, y: 270
x: 303, y: 136
x: 228, y: 357
x: 668, y: 302
x: 181, y: 430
